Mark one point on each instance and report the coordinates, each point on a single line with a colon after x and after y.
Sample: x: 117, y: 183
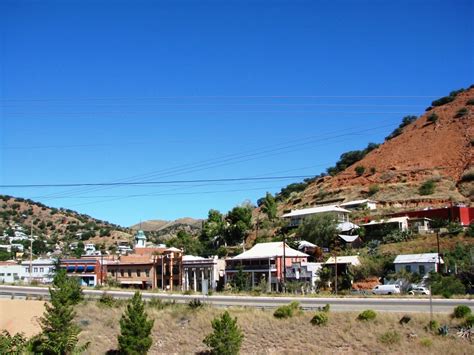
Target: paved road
x: 337, y: 304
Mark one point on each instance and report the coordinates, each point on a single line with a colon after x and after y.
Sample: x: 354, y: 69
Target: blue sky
x: 101, y: 91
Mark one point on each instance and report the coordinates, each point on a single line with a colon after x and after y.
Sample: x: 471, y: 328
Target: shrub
x: 15, y: 344
x: 106, y: 300
x: 470, y: 102
x: 320, y: 318
x: 470, y: 230
x: 468, y: 175
x: 367, y: 315
x: 446, y: 99
x: 287, y: 311
x: 227, y: 336
x: 461, y: 311
x: 195, y: 304
x: 433, y: 118
x: 359, y: 169
x: 427, y: 188
x: 390, y: 337
x: 469, y: 322
x: 446, y: 285
x: 373, y: 170
x: 433, y: 325
x: 426, y: 342
x: 461, y: 112
x: 325, y: 308
x: 373, y: 189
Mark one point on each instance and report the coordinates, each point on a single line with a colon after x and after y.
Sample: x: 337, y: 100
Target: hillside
x: 436, y: 147
x: 167, y: 229
x: 57, y: 226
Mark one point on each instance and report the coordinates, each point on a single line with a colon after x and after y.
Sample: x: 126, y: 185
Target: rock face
x: 438, y: 146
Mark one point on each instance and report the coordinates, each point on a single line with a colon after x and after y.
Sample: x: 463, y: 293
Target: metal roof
x: 417, y: 258
x: 356, y: 202
x: 315, y: 210
x: 352, y: 259
x: 269, y: 250
x: 348, y: 238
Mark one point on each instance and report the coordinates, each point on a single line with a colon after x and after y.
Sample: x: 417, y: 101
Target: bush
x: 461, y: 112
x: 433, y: 118
x: 359, y: 169
x: 15, y: 344
x: 195, y: 304
x: 427, y: 188
x: 287, y: 311
x: 390, y: 337
x: 468, y: 175
x: 433, y: 325
x: 367, y: 315
x: 373, y: 189
x: 470, y: 102
x: 106, y: 300
x: 227, y: 336
x: 426, y: 342
x: 469, y: 322
x: 446, y: 99
x: 461, y: 311
x: 446, y: 285
x: 320, y: 318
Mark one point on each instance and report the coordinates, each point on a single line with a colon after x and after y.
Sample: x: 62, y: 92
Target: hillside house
x: 264, y: 261
x: 88, y: 271
x: 343, y: 263
x: 296, y: 217
x: 42, y: 270
x: 461, y: 214
x: 360, y: 205
x: 421, y: 264
x: 10, y: 272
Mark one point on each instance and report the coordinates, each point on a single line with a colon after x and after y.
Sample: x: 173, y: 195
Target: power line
x: 155, y: 182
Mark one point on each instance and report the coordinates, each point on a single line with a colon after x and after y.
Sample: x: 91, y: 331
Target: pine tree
x: 227, y: 336
x: 59, y: 334
x: 135, y: 338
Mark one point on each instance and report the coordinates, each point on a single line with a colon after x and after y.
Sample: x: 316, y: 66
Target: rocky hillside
x: 57, y: 225
x: 164, y: 230
x: 427, y: 162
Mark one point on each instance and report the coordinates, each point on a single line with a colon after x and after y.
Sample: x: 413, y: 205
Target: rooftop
x: 269, y: 250
x: 315, y: 210
x: 356, y: 202
x: 417, y: 258
x: 352, y: 259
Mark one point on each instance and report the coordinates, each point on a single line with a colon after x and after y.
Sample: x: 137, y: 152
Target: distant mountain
x: 168, y: 229
x: 57, y: 225
x: 435, y: 149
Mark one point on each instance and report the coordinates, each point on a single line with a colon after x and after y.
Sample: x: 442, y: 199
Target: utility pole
x: 284, y: 262
x: 31, y: 253
x: 439, y: 256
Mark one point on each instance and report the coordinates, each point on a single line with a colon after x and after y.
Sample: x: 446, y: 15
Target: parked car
x: 419, y: 291
x: 386, y: 290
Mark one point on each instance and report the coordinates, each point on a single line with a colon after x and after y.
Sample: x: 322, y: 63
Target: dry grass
x: 425, y: 244
x: 180, y: 330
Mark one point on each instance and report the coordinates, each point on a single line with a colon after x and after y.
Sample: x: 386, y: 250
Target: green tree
x: 319, y: 229
x: 227, y: 337
x: 239, y: 221
x: 240, y: 281
x: 269, y: 206
x: 69, y: 286
x: 187, y: 242
x: 79, y: 250
x: 59, y: 333
x: 39, y: 247
x: 212, y: 231
x: 135, y: 328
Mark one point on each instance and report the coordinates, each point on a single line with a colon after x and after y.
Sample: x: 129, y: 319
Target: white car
x: 419, y: 291
x: 386, y: 290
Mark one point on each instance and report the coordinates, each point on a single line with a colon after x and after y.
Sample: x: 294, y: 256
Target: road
x: 348, y: 304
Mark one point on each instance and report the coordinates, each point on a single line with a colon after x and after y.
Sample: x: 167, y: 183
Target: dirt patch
x: 21, y: 316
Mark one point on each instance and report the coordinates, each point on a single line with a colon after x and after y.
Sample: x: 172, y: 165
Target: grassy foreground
x: 179, y: 329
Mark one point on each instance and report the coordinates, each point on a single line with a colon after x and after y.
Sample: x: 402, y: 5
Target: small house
x: 422, y: 264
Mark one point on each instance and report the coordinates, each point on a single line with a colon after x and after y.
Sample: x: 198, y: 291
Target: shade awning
x: 90, y: 268
x: 70, y: 268
x: 80, y: 268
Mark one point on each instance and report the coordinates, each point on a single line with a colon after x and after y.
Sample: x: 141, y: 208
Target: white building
x: 10, y: 272
x: 42, y: 270
x: 422, y: 264
x: 360, y: 205
x: 140, y: 239
x: 202, y: 274
x: 296, y: 217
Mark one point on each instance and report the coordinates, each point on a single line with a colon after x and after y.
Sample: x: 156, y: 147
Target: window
x: 112, y: 272
x: 51, y: 269
x: 41, y: 269
x: 408, y: 268
x: 421, y: 269
x: 27, y: 269
x: 35, y: 269
x: 129, y: 271
x: 15, y: 274
x: 9, y: 274
x: 2, y: 274
x: 138, y: 272
x: 147, y: 273
x: 122, y: 272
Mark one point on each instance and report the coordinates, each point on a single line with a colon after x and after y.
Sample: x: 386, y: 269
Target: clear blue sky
x: 98, y: 91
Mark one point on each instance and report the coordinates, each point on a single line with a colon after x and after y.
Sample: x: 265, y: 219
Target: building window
x: 421, y: 269
x: 122, y: 272
x: 35, y: 269
x: 147, y: 273
x: 112, y: 272
x: 2, y: 274
x: 51, y: 269
x: 138, y: 272
x: 27, y: 269
x: 408, y: 268
x: 41, y: 269
x: 9, y: 274
x: 129, y: 271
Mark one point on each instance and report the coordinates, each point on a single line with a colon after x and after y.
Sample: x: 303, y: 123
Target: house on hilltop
x: 421, y: 264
